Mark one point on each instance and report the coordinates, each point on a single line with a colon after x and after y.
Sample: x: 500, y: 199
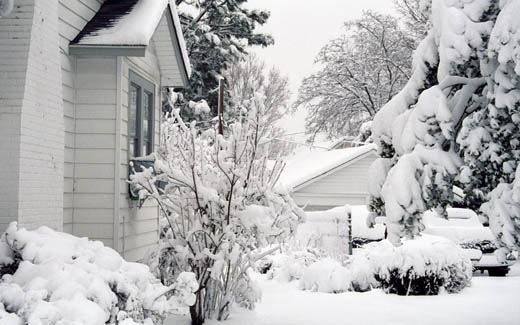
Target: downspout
x: 117, y: 154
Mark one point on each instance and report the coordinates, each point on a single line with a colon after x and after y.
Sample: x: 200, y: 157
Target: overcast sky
x: 300, y: 29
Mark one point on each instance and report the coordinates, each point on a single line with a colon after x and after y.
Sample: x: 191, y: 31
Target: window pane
x: 146, y: 115
x: 133, y: 127
x: 132, y: 111
x: 148, y: 107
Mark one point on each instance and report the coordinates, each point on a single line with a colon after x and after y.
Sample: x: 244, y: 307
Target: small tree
x: 251, y: 76
x: 221, y: 206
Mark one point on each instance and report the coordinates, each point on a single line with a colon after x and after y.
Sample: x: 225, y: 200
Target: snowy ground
x: 488, y: 301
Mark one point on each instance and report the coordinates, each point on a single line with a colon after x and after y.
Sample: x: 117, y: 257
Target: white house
x: 80, y: 94
x: 323, y: 179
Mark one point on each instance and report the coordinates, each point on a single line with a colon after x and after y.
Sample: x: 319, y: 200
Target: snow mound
x: 287, y: 267
x: 462, y: 226
x: 48, y: 277
x: 326, y: 275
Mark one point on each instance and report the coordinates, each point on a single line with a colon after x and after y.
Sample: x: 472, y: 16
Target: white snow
x: 462, y: 226
x: 489, y: 300
x: 303, y: 168
x: 326, y: 275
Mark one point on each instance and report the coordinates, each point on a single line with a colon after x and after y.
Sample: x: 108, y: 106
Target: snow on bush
x: 289, y: 266
x: 221, y: 206
x: 48, y: 277
x: 422, y: 266
x: 326, y: 275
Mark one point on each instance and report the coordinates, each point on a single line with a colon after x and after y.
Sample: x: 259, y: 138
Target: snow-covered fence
x: 325, y: 230
x: 329, y: 230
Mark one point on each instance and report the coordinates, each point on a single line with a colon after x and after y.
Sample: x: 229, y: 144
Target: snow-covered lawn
x: 489, y: 300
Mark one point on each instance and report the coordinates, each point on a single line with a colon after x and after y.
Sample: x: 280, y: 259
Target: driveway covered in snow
x: 488, y: 301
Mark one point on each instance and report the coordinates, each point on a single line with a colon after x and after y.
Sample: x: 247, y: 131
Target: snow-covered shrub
x: 289, y: 266
x: 422, y: 266
x: 326, y: 275
x: 48, y: 277
x: 220, y: 204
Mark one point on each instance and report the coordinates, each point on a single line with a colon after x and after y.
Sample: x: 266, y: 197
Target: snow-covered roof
x: 131, y: 24
x: 302, y: 169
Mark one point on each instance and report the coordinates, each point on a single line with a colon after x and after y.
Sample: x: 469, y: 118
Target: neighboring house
x: 325, y: 179
x: 80, y: 94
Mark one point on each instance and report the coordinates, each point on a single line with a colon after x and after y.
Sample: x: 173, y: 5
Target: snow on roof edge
x: 180, y: 37
x: 134, y: 28
x: 318, y: 168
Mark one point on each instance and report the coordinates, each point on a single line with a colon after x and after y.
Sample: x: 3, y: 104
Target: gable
x: 302, y: 169
x: 127, y: 28
x: 351, y: 177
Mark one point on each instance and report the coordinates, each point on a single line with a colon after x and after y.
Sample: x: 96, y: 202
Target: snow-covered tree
x: 249, y: 77
x: 219, y: 199
x: 455, y: 121
x: 415, y: 14
x: 361, y: 71
x: 217, y: 33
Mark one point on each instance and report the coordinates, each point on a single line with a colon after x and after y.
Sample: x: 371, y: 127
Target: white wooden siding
x: 171, y: 73
x: 345, y: 185
x: 94, y: 149
x: 73, y: 16
x: 138, y: 226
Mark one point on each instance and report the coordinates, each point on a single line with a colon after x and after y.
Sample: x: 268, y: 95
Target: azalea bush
x: 221, y: 207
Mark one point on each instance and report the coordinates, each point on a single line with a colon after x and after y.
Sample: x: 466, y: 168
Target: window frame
x: 143, y: 86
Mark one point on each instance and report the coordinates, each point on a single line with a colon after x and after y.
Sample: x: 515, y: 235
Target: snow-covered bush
x: 326, y: 275
x: 288, y: 266
x: 48, y: 277
x: 221, y: 206
x: 422, y: 266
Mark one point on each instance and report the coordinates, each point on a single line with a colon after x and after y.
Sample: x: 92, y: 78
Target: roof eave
x: 311, y: 180
x: 176, y: 42
x: 107, y: 50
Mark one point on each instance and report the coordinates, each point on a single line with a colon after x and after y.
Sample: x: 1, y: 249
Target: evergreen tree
x: 455, y: 122
x: 217, y: 33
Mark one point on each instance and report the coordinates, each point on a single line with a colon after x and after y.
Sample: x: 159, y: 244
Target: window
x: 140, y: 116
